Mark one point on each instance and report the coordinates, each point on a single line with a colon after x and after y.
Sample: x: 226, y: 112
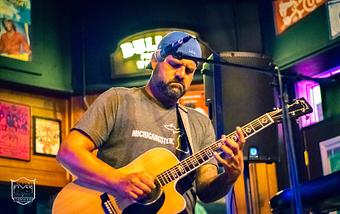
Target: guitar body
x: 76, y: 197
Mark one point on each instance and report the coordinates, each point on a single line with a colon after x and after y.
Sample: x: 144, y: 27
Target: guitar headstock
x: 296, y: 109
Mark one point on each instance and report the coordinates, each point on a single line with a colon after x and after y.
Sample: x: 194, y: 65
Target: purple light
x: 329, y: 73
x: 310, y: 90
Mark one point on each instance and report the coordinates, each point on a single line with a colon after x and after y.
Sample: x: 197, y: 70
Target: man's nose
x: 180, y: 72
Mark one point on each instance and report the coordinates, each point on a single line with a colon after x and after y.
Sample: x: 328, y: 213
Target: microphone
x: 171, y: 48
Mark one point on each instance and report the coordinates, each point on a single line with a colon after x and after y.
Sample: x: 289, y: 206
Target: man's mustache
x: 176, y: 81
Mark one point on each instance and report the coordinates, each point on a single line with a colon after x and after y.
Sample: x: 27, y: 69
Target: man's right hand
x: 134, y: 185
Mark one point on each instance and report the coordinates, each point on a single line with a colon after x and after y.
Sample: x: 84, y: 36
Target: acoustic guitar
x: 77, y: 197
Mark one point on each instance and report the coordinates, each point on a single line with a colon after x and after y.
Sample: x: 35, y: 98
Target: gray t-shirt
x: 124, y: 123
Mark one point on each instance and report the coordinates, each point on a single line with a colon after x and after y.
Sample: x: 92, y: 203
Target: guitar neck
x: 198, y: 159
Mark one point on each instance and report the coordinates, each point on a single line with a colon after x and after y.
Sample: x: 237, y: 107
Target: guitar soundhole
x: 152, y: 196
x: 149, y: 204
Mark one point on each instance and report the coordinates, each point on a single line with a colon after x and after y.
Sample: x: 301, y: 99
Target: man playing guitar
x: 124, y: 124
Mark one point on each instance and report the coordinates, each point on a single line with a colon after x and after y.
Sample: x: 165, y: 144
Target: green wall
x: 331, y: 99
x: 306, y: 37
x: 50, y: 67
x: 306, y: 48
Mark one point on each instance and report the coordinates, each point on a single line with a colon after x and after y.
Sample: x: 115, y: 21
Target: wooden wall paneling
x: 263, y: 184
x: 46, y: 170
x: 240, y: 195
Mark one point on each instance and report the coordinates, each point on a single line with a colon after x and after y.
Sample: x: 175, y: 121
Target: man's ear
x: 154, y: 61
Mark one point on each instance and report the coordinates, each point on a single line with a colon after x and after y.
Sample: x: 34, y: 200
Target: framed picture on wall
x: 46, y: 136
x: 330, y: 155
x: 322, y: 142
x: 15, y: 130
x: 15, y: 30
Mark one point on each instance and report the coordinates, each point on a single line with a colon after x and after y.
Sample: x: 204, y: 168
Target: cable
x: 83, y: 67
x: 236, y: 209
x: 206, y: 45
x: 232, y: 202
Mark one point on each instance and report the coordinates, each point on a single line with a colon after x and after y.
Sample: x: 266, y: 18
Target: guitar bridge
x: 106, y: 204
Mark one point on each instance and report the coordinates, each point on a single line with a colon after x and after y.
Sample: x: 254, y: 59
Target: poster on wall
x: 330, y: 155
x: 15, y: 18
x: 15, y: 131
x: 47, y: 136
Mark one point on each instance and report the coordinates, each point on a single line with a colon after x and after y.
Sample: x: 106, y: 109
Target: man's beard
x: 171, y: 92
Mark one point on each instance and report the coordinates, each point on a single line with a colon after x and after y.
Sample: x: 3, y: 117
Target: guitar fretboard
x: 198, y: 159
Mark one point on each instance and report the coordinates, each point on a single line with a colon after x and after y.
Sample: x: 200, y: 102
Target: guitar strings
x: 192, y: 162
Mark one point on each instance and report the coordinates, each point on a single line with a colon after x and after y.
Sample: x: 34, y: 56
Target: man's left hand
x: 232, y: 158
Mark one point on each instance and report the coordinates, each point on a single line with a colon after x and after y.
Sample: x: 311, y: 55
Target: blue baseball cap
x: 189, y: 48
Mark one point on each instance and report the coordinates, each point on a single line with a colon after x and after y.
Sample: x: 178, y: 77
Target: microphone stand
x: 272, y: 68
x: 287, y: 134
x: 288, y: 138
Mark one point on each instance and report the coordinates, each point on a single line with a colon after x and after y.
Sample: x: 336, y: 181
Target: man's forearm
x: 88, y: 168
x: 211, y: 188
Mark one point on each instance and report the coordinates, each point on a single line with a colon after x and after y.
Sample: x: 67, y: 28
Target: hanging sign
x: 288, y: 12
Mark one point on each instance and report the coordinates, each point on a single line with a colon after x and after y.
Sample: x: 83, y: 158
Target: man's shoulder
x: 115, y: 93
x: 197, y: 113
x: 120, y: 91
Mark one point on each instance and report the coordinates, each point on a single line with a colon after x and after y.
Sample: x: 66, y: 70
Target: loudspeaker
x: 237, y: 95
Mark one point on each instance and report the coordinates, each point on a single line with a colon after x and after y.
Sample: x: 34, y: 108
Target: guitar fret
x: 190, y: 166
x: 257, y: 124
x: 167, y: 176
x: 232, y: 136
x: 159, y: 181
x: 199, y: 158
x: 264, y: 120
x: 252, y: 127
x: 209, y: 153
x: 171, y: 177
x: 174, y: 173
x: 206, y: 156
x: 244, y: 132
x: 178, y: 171
x: 194, y: 160
x: 248, y: 129
x: 162, y: 182
x: 187, y: 167
x: 181, y: 169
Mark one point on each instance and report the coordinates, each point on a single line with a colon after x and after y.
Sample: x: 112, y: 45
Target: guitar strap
x: 182, y: 114
x: 187, y: 184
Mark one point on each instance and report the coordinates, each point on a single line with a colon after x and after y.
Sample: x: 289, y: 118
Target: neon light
x: 310, y: 90
x: 141, y: 64
x: 329, y: 73
x: 140, y: 46
x: 127, y: 50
